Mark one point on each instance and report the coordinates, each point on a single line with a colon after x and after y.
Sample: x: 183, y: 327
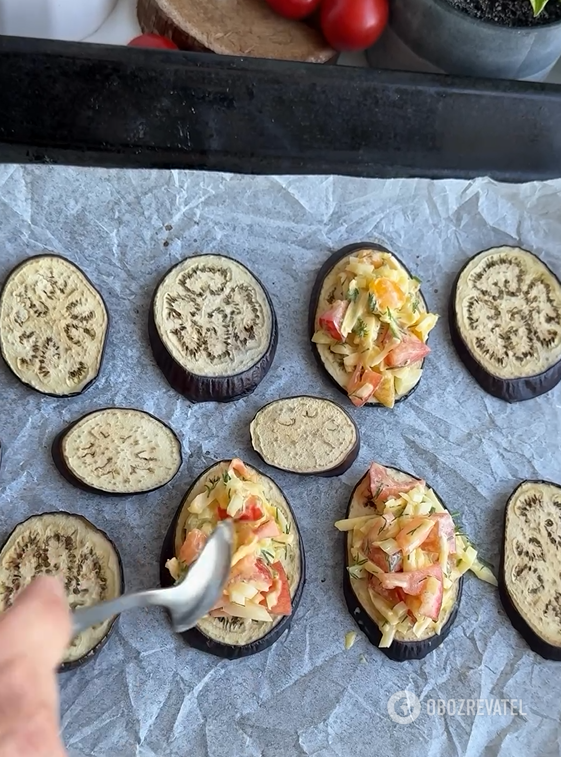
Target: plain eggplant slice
x: 505, y: 323
x: 84, y: 557
x: 117, y: 450
x: 212, y: 328
x: 355, y: 590
x: 530, y: 575
x: 306, y: 435
x: 326, y: 288
x: 232, y: 638
x: 53, y: 326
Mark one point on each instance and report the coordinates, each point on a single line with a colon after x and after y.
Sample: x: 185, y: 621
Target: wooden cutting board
x: 233, y: 27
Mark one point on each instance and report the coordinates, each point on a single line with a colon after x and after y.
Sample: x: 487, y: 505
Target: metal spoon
x: 186, y: 602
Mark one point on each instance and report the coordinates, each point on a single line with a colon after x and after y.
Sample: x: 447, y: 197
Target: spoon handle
x: 85, y: 617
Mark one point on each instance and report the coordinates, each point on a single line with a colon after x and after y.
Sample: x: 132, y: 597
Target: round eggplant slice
x: 83, y: 556
x: 530, y: 575
x: 53, y: 325
x: 232, y: 638
x: 306, y: 435
x: 119, y: 451
x: 212, y: 328
x: 404, y: 646
x: 505, y: 323
x: 326, y: 289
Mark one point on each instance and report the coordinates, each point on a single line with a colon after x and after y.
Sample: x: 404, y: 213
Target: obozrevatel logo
x: 404, y: 707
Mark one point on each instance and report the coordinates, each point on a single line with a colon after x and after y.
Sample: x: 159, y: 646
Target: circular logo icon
x: 404, y: 707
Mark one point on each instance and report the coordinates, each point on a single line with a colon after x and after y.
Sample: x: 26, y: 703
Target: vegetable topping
x: 377, y: 326
x: 258, y: 587
x: 410, y: 553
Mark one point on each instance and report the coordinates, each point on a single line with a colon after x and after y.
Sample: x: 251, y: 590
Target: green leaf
x: 360, y: 328
x: 372, y: 304
x: 538, y: 6
x: 352, y: 295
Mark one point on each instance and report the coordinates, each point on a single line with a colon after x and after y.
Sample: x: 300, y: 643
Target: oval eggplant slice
x: 505, y: 323
x: 530, y: 575
x: 404, y: 646
x: 53, y: 325
x: 232, y: 638
x: 212, y: 329
x: 117, y: 450
x: 326, y: 289
x: 71, y: 547
x: 306, y: 435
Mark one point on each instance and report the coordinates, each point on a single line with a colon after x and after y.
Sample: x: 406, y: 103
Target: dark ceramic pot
x: 456, y: 43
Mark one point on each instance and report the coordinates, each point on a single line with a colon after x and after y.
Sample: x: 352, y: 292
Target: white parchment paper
x: 148, y: 695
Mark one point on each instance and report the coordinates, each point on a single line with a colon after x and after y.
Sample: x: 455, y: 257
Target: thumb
x: 38, y: 623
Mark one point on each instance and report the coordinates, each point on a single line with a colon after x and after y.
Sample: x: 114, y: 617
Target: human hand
x: 34, y: 633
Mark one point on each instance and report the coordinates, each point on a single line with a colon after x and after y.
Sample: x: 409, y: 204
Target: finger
x: 38, y: 623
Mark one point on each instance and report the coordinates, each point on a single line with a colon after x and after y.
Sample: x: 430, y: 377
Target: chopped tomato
x: 445, y: 527
x: 239, y: 468
x: 250, y: 569
x: 332, y: 319
x: 409, y: 350
x: 251, y: 511
x: 192, y: 546
x: 283, y: 605
x: 362, y: 385
x: 387, y: 563
x: 384, y: 487
x: 269, y: 529
x: 388, y: 594
x: 431, y: 598
x: 387, y: 293
x: 412, y: 582
x: 414, y: 534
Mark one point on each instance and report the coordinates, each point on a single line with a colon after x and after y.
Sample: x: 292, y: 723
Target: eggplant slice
x: 530, y: 576
x: 355, y: 590
x: 232, y: 638
x: 117, y: 450
x: 505, y: 323
x: 327, y: 288
x: 53, y: 325
x: 71, y: 547
x: 307, y: 435
x: 212, y: 328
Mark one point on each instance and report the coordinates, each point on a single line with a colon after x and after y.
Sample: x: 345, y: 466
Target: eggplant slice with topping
x: 505, y: 323
x: 53, y: 325
x: 233, y: 637
x: 306, y: 435
x: 328, y: 290
x: 117, y: 450
x: 405, y: 646
x: 530, y: 576
x: 212, y: 328
x: 83, y: 556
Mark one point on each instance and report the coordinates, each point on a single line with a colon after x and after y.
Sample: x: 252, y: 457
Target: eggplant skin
x: 65, y: 667
x: 332, y: 261
x: 509, y: 390
x: 343, y: 467
x: 66, y: 473
x: 201, y: 641
x: 399, y: 651
x: 87, y: 278
x: 535, y: 642
x: 211, y: 388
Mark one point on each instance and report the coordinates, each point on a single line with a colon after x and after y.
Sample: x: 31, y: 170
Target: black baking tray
x: 98, y: 105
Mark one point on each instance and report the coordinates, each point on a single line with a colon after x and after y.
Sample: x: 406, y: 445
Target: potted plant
x: 510, y: 39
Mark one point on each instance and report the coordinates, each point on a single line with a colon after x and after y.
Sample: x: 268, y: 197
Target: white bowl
x: 54, y: 19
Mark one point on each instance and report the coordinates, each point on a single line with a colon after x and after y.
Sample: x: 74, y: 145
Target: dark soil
x: 509, y: 12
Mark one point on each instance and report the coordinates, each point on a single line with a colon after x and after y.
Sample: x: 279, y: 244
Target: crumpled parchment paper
x: 147, y: 694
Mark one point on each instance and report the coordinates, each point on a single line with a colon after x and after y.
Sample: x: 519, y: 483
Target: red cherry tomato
x: 153, y: 40
x: 353, y: 24
x: 294, y: 8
